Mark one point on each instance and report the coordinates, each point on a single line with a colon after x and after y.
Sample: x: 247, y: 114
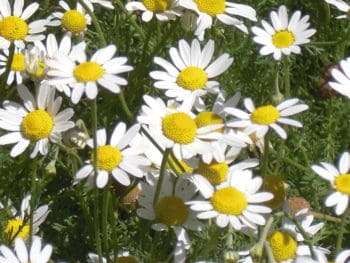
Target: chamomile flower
x: 74, y: 21
x: 284, y: 36
x: 17, y: 67
x: 341, y: 77
x: 18, y: 224
x: 176, y: 127
x: 343, y: 257
x: 236, y: 202
x: 105, y: 3
x: 259, y: 120
x: 163, y: 10
x: 190, y: 70
x: 339, y: 179
x: 83, y: 75
x: 223, y: 10
x: 341, y: 5
x: 21, y: 254
x: 116, y: 158
x: 38, y: 121
x: 14, y: 27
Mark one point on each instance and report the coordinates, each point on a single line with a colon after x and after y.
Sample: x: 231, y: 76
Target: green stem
x: 286, y: 70
x: 70, y: 152
x: 105, y: 210
x: 269, y: 253
x: 161, y: 175
x: 125, y: 107
x: 265, y: 156
x: 94, y: 22
x: 97, y: 225
x: 341, y: 231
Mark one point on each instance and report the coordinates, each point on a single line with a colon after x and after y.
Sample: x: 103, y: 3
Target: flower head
x: 283, y: 36
x: 17, y: 67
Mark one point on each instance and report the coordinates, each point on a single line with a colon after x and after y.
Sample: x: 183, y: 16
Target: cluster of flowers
x: 183, y: 149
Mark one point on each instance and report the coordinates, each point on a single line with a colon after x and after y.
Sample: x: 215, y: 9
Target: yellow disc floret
x: 109, y: 157
x: 18, y: 62
x: 74, y: 21
x: 215, y: 172
x: 211, y: 7
x: 88, y: 71
x: 283, y: 39
x: 179, y: 166
x: 342, y: 183
x: 283, y: 246
x: 172, y: 211
x: 37, y: 125
x: 157, y: 6
x: 206, y: 118
x: 229, y: 200
x: 16, y: 228
x: 192, y: 78
x: 275, y: 185
x: 179, y: 127
x: 265, y: 115
x: 13, y: 28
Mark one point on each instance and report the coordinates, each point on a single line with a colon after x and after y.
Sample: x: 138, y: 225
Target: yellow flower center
x: 157, y: 6
x: 283, y: 39
x: 192, y: 78
x: 206, y: 118
x: 172, y: 211
x: 179, y: 127
x: 127, y: 259
x: 109, y: 157
x: 215, y: 172
x: 74, y: 21
x: 88, y: 71
x: 342, y: 183
x: 13, y: 28
x: 265, y: 115
x: 283, y: 246
x: 37, y: 125
x: 16, y: 228
x: 275, y: 185
x: 229, y: 201
x: 18, y: 63
x: 211, y: 7
x: 184, y: 166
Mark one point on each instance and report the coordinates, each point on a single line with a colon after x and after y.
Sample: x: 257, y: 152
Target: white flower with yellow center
x: 190, y: 72
x: 74, y: 21
x: 223, y: 10
x: 176, y: 128
x: 105, y: 3
x: 341, y: 5
x: 260, y: 119
x: 21, y: 254
x: 18, y: 225
x: 339, y: 178
x: 163, y: 10
x: 342, y: 78
x: 13, y: 25
x: 116, y: 158
x: 283, y: 36
x: 236, y: 202
x: 17, y: 67
x: 83, y: 75
x: 38, y: 121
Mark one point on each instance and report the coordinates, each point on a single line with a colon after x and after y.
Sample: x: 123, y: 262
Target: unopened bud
x: 189, y: 21
x: 230, y: 256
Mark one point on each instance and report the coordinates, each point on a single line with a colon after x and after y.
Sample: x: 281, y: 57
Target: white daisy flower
x: 74, y: 21
x: 116, y: 158
x: 21, y: 254
x: 339, y: 178
x: 341, y: 5
x: 223, y: 10
x: 17, y: 67
x: 236, y: 202
x: 283, y: 36
x: 343, y: 257
x: 190, y: 72
x: 83, y: 75
x: 14, y: 27
x: 18, y: 225
x: 38, y: 121
x: 176, y: 127
x: 342, y: 78
x: 259, y: 120
x: 105, y: 3
x: 163, y: 10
